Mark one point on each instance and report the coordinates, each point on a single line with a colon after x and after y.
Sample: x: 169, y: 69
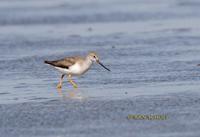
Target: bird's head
x: 94, y: 58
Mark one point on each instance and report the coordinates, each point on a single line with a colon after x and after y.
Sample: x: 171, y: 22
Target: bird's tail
x: 198, y: 64
x: 49, y: 62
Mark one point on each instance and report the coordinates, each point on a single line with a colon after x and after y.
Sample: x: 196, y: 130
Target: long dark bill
x: 103, y: 65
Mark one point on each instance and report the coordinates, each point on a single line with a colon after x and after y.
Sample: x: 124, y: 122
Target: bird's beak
x: 102, y: 65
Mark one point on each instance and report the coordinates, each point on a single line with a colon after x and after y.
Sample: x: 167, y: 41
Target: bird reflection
x: 71, y: 94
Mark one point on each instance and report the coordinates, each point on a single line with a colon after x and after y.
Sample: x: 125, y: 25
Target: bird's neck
x: 88, y: 61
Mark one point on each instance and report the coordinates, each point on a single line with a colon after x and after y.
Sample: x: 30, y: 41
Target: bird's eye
x: 94, y: 56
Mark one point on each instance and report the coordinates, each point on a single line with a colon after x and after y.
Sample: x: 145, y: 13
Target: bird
x: 74, y: 66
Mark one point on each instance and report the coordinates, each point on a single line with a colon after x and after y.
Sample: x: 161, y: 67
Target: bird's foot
x: 75, y: 86
x: 59, y: 86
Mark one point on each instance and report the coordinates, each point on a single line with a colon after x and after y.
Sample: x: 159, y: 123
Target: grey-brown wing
x: 63, y: 63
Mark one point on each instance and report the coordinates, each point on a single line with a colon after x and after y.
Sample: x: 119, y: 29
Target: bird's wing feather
x: 64, y: 63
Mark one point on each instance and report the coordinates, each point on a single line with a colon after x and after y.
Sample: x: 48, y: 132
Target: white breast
x: 78, y: 69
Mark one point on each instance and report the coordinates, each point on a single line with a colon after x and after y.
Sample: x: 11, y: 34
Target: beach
x: 151, y: 47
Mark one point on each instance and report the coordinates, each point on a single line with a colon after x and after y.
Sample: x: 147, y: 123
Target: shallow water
x: 152, y: 48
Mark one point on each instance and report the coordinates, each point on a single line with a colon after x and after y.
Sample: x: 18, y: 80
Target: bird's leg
x: 61, y: 80
x: 72, y: 82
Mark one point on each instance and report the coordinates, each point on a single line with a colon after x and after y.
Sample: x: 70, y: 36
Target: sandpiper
x: 74, y: 66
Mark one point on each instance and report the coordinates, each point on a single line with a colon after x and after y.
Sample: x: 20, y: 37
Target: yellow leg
x: 59, y: 86
x: 72, y: 82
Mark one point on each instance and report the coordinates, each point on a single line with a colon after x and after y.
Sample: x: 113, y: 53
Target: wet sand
x: 91, y: 117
